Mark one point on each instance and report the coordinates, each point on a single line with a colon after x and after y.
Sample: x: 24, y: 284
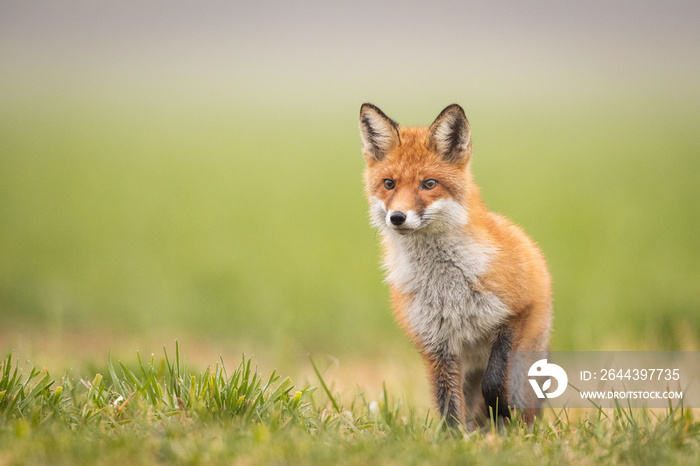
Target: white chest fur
x: 449, y: 310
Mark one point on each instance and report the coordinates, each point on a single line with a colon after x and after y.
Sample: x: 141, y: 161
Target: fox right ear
x: 450, y: 135
x: 379, y: 133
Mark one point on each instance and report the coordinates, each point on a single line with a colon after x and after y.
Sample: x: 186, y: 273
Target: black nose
x: 397, y: 218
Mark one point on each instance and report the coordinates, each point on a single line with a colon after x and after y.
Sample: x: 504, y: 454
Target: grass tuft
x: 157, y: 390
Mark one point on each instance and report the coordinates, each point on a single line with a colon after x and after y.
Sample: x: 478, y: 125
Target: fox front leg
x: 494, y: 385
x: 445, y: 373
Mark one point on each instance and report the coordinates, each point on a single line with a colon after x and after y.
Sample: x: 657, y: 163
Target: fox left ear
x: 450, y: 135
x: 379, y: 133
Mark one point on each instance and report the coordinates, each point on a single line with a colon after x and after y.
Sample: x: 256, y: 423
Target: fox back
x: 467, y: 285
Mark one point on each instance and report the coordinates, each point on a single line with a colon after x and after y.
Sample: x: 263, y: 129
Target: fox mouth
x: 403, y: 231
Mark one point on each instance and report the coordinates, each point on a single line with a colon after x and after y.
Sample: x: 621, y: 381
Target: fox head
x: 416, y: 179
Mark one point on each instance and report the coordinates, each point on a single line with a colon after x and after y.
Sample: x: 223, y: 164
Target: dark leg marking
x: 494, y: 387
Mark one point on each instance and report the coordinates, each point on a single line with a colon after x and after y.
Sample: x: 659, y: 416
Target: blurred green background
x: 193, y: 171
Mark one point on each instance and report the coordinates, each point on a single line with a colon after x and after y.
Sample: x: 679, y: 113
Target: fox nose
x: 397, y: 218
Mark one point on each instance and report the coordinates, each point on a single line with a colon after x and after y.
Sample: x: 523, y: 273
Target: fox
x: 467, y: 285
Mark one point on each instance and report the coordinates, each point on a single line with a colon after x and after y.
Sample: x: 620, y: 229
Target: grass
x: 164, y: 390
x: 161, y: 412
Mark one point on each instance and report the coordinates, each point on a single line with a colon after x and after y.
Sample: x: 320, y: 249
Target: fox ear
x: 379, y: 133
x: 450, y: 135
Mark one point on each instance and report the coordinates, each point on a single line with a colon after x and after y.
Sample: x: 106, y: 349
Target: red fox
x: 467, y: 285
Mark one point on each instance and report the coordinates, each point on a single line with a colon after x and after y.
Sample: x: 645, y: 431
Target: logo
x: 542, y: 368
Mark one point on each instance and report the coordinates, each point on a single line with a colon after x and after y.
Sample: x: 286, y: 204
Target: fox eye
x: 389, y: 184
x: 429, y: 184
